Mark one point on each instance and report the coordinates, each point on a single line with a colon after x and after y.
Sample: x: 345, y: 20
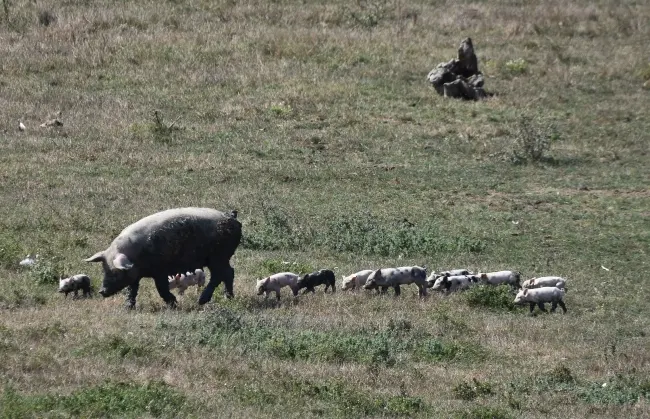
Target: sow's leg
x: 162, y: 285
x: 218, y: 273
x: 131, y: 294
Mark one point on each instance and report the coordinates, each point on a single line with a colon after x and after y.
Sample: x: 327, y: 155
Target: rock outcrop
x: 460, y: 77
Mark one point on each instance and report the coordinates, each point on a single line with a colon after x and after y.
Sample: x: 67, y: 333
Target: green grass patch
x: 47, y: 271
x: 484, y: 412
x: 332, y: 398
x: 362, y: 234
x: 117, y: 348
x: 499, y: 299
x: 111, y: 399
x: 388, y: 346
x: 11, y: 251
x: 516, y: 67
x: 469, y: 391
x: 619, y: 390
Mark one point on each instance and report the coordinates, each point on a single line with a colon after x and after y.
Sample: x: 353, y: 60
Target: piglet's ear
x: 97, y: 257
x: 378, y: 273
x: 122, y: 262
x: 525, y: 291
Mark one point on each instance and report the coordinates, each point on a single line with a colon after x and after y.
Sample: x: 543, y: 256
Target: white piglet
x: 539, y: 296
x: 357, y: 280
x: 276, y: 282
x: 502, y: 277
x: 186, y: 280
x: 545, y: 281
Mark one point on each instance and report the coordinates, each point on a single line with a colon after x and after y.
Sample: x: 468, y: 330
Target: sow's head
x: 119, y: 272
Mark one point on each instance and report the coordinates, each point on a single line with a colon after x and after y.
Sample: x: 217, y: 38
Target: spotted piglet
x: 74, y: 284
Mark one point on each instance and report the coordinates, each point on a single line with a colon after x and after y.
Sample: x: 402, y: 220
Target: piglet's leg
x: 132, y: 294
x: 553, y: 306
x: 541, y: 307
x: 532, y: 307
x: 561, y: 303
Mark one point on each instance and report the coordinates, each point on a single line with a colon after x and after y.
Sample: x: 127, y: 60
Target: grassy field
x: 314, y: 120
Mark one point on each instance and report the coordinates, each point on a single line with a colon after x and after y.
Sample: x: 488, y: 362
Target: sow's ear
x: 122, y: 262
x: 97, y: 257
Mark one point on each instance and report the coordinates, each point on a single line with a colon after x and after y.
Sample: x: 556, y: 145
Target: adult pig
x: 175, y: 240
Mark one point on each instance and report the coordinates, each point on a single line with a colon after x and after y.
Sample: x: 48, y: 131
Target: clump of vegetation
x: 516, y: 67
x: 48, y: 270
x: 360, y: 234
x: 367, y: 235
x: 275, y: 231
x: 334, y: 397
x: 161, y: 131
x: 46, y: 17
x: 484, y: 412
x: 10, y: 252
x: 494, y: 298
x: 381, y: 347
x: 470, y: 391
x: 111, y: 399
x: 280, y: 109
x: 532, y: 140
x: 369, y: 13
x: 118, y: 347
x: 561, y: 374
x: 620, y: 390
x: 644, y: 72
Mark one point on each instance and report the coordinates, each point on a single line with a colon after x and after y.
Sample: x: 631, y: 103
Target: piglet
x: 186, y: 280
x: 74, y: 284
x: 502, y: 277
x: 539, y: 296
x: 545, y: 281
x: 324, y: 276
x: 276, y: 282
x: 356, y: 280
